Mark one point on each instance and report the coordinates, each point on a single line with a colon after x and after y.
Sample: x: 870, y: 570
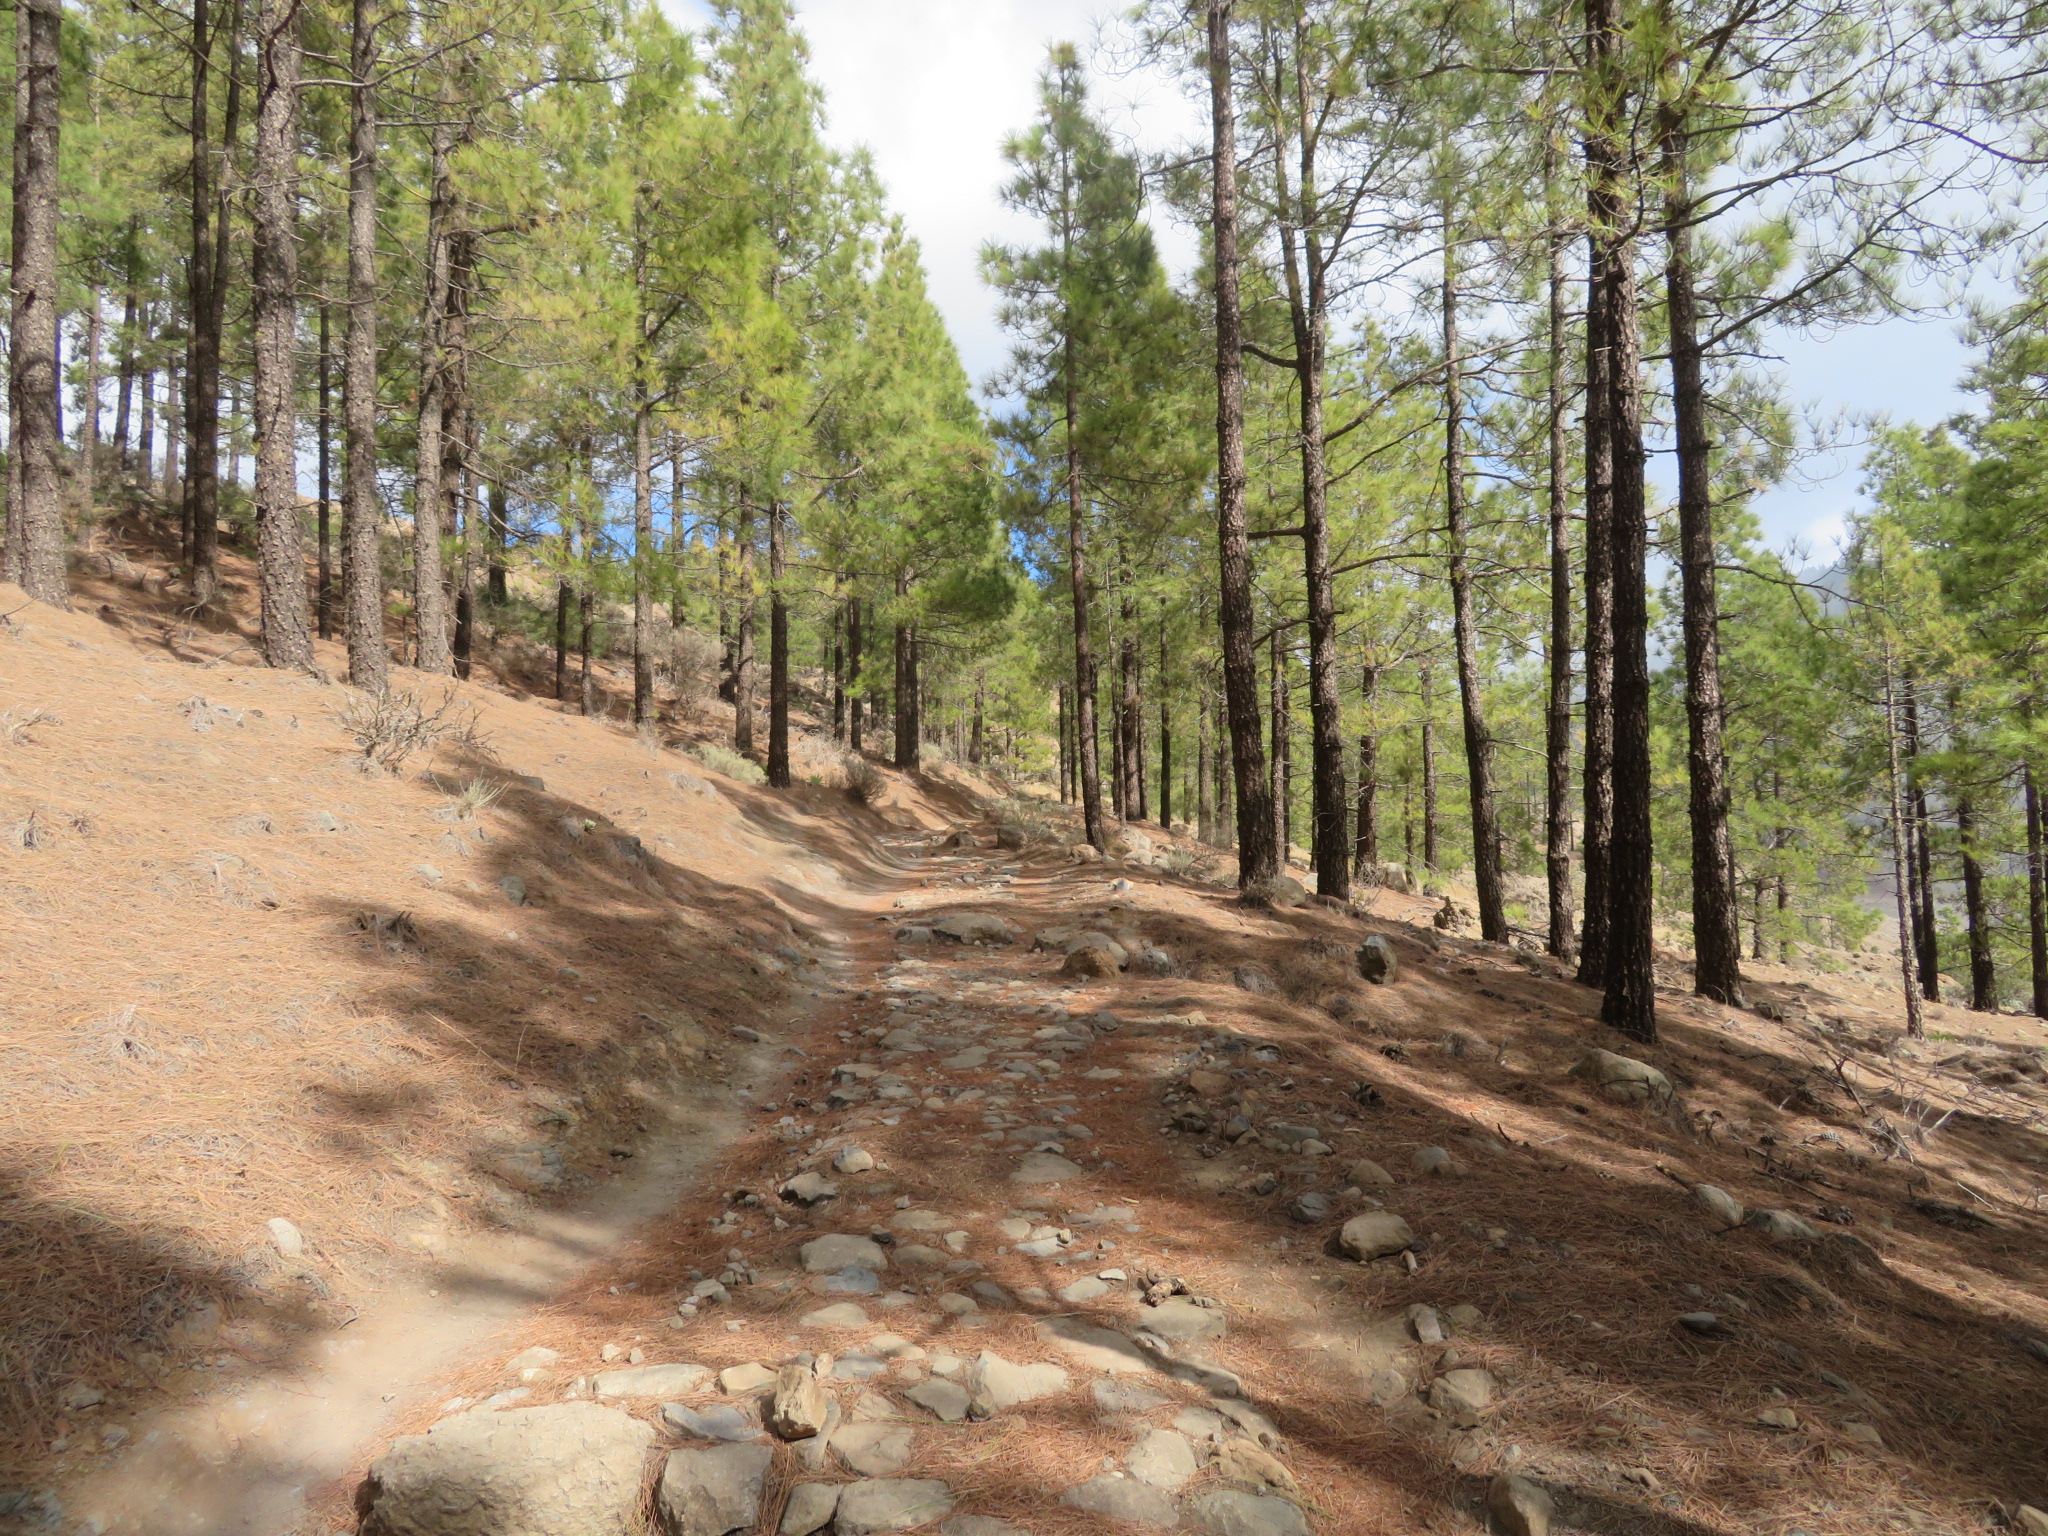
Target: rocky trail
x: 1095, y: 1202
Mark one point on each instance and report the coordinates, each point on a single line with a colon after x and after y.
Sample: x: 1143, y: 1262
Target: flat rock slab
x: 1182, y: 1322
x: 568, y: 1469
x: 651, y: 1381
x: 1123, y: 1498
x: 1046, y: 1168
x: 1094, y: 1348
x: 980, y: 1525
x: 718, y: 1422
x: 1163, y: 1458
x: 809, y: 1509
x: 891, y: 1504
x: 947, y: 1401
x: 1233, y: 1512
x: 841, y: 1314
x: 876, y: 1449
x: 998, y: 1383
x: 841, y: 1250
x: 712, y: 1492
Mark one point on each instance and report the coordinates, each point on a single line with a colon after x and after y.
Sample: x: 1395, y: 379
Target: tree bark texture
x: 1983, y: 972
x: 35, y: 510
x: 362, y: 556
x: 1258, y: 859
x: 274, y: 260
x: 1557, y: 716
x: 778, y: 653
x: 429, y: 604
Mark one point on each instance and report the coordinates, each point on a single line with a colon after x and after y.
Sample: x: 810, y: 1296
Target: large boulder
x: 1093, y: 961
x: 1623, y: 1078
x: 567, y: 1469
x: 1377, y: 961
x: 713, y: 1492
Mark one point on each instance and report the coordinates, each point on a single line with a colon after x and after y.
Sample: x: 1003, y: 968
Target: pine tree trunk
x: 1597, y: 773
x: 907, y: 745
x: 35, y: 520
x: 211, y: 218
x: 495, y: 575
x: 643, y: 555
x: 362, y: 561
x: 1276, y: 766
x: 430, y: 615
x: 1258, y: 857
x: 1165, y: 740
x: 1630, y: 1001
x: 1084, y: 654
x: 1486, y: 873
x: 281, y: 560
x: 2037, y: 892
x: 1717, y: 945
x: 856, y: 683
x: 131, y: 314
x: 1557, y: 719
x: 1429, y: 849
x: 1130, y: 707
x: 89, y: 423
x: 1365, y: 851
x: 1902, y: 862
x: 1983, y: 973
x: 838, y: 655
x: 743, y: 637
x: 145, y: 425
x: 455, y: 428
x: 1926, y: 937
x: 778, y: 654
x: 324, y: 594
x: 564, y: 596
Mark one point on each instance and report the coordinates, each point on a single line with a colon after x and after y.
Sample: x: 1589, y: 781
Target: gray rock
x: 536, y: 1170
x: 1182, y: 1322
x: 1114, y: 1397
x: 712, y: 1492
x: 809, y: 1189
x: 841, y: 1314
x: 1123, y: 1498
x: 1255, y: 979
x: 809, y: 1509
x: 1785, y: 1226
x: 1310, y: 1207
x: 1623, y: 1078
x: 852, y: 1281
x: 1430, y: 1160
x: 874, y: 1450
x: 514, y: 889
x: 1152, y: 961
x: 1706, y: 1324
x: 1163, y: 1458
x: 652, y: 1381
x: 1045, y: 1168
x: 1722, y: 1209
x: 1367, y: 1174
x: 973, y: 928
x: 800, y: 1404
x: 1377, y: 961
x: 1518, y: 1506
x: 1233, y: 1512
x: 1462, y: 1396
x: 1375, y: 1235
x: 853, y: 1160
x: 569, y: 1469
x: 840, y: 1250
x: 998, y: 1383
x: 1084, y: 1290
x: 948, y: 1401
x: 718, y: 1422
x: 1093, y: 1348
x: 980, y: 1525
x: 891, y: 1504
x: 751, y: 1377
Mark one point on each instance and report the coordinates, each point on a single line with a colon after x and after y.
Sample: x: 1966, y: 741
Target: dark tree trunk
x: 838, y: 658
x: 1902, y: 857
x: 856, y: 684
x: 1258, y: 858
x: 1365, y: 849
x: 1630, y: 1003
x: 586, y: 614
x: 565, y: 596
x: 2037, y: 892
x: 1429, y: 852
x: 643, y: 558
x: 1926, y: 938
x: 1276, y: 768
x: 907, y: 744
x: 495, y: 574
x: 1066, y: 748
x: 1165, y: 740
x: 743, y: 640
x: 35, y: 512
x: 324, y: 593
x: 131, y: 314
x: 1717, y: 945
x: 1557, y: 719
x: 281, y: 558
x: 778, y: 655
x: 1084, y: 653
x: 1205, y: 800
x: 362, y: 559
x: 1983, y: 973
x: 1597, y: 775
x: 430, y: 613
x: 211, y: 218
x: 1493, y: 921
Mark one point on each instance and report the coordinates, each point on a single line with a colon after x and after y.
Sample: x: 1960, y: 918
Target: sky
x: 932, y: 87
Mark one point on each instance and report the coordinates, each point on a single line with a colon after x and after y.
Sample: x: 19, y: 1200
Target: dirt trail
x: 247, y: 1458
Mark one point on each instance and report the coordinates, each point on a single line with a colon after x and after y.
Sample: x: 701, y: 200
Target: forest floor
x: 249, y: 984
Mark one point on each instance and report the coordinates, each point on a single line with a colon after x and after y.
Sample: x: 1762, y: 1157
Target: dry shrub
x: 390, y: 727
x: 693, y: 665
x: 16, y: 724
x: 722, y: 759
x: 865, y: 783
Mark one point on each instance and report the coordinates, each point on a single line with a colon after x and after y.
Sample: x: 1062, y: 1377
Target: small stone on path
x: 1045, y: 1168
x: 873, y: 1506
x: 809, y: 1508
x: 1375, y: 1235
x: 1518, y: 1506
x: 713, y: 1492
x: 1164, y: 1459
x: 1233, y: 1512
x: 841, y: 1314
x: 1123, y: 1498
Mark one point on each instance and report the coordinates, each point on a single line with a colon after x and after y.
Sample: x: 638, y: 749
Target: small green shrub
x: 722, y: 759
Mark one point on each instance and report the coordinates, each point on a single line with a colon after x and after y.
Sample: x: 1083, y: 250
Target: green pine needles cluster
x: 1410, y: 534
